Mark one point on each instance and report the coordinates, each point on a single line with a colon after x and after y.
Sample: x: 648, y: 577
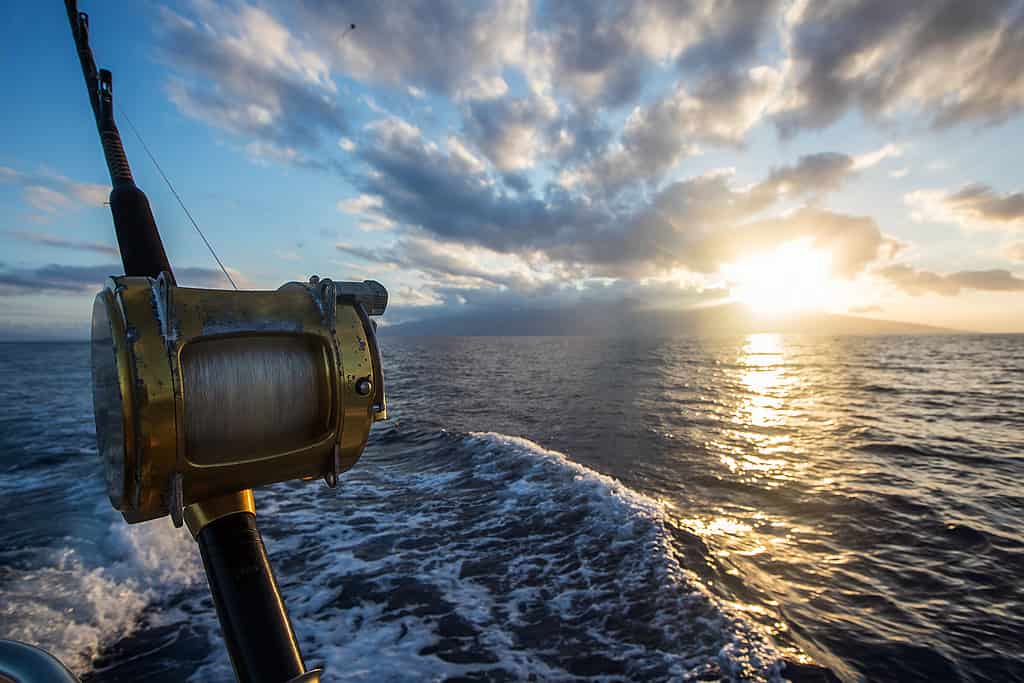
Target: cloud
x: 456, y: 266
x: 974, y: 206
x: 600, y: 54
x: 1014, y: 252
x: 676, y: 234
x: 870, y: 159
x: 483, y: 88
x: 89, y: 279
x: 948, y: 61
x: 581, y: 56
x: 554, y: 158
x: 917, y: 282
x: 699, y: 223
x: 852, y: 241
x: 60, y: 242
x: 242, y: 70
x: 436, y: 45
x: 582, y: 307
x: 52, y: 193
x: 421, y: 185
x: 511, y: 132
x: 813, y: 174
x: 656, y: 137
x: 367, y: 207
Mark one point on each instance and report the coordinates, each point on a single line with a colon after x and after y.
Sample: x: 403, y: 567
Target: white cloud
x: 46, y: 199
x: 973, y: 207
x: 462, y: 155
x: 483, y: 88
x: 51, y: 193
x: 1015, y: 251
x: 368, y: 208
x: 870, y: 159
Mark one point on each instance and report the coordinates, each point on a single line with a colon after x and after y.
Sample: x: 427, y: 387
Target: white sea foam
x: 745, y: 651
x: 73, y: 608
x: 494, y: 553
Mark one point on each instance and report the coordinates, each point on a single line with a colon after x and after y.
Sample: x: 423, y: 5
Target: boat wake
x: 441, y: 554
x: 487, y: 556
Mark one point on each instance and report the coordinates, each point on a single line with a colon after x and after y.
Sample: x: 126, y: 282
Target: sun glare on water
x: 793, y: 278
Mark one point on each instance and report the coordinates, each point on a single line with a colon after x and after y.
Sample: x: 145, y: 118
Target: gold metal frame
x: 154, y: 322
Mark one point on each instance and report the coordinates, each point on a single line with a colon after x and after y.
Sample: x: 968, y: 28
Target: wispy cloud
x: 917, y: 282
x: 52, y: 193
x: 84, y: 279
x: 869, y: 159
x: 49, y: 240
x: 973, y: 206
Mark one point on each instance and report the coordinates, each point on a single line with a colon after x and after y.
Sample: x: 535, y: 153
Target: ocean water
x: 571, y: 509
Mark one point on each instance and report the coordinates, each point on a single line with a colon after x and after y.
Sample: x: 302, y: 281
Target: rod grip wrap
x: 142, y: 251
x: 257, y: 631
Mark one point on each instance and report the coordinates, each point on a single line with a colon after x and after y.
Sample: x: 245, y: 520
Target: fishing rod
x: 201, y: 395
x: 142, y: 251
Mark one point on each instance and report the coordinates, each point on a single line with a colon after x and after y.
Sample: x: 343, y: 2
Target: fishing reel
x: 199, y: 393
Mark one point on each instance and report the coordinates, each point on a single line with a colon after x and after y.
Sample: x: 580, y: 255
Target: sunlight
x: 791, y: 278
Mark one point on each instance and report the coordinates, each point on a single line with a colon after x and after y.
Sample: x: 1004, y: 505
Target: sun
x: 791, y: 278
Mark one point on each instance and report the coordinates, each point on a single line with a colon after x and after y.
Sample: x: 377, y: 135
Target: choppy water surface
x: 576, y: 509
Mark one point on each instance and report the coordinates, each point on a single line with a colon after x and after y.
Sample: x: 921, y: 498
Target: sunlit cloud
x: 975, y: 206
x: 367, y: 208
x: 917, y: 282
x: 869, y: 159
x: 1015, y: 251
x: 567, y: 142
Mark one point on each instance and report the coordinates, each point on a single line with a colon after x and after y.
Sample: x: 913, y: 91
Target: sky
x: 856, y: 156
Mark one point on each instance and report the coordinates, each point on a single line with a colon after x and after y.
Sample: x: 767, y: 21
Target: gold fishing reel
x: 200, y: 393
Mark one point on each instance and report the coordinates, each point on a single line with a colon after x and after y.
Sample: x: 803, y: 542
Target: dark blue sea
x: 574, y: 509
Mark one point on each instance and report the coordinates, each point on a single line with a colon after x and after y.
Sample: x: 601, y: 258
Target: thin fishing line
x: 178, y: 197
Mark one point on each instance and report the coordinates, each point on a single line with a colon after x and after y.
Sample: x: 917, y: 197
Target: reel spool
x: 200, y: 393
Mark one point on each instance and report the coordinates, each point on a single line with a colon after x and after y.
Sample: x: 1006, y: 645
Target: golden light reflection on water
x: 758, y: 448
x: 764, y: 377
x: 770, y: 443
x: 755, y: 448
x: 764, y: 444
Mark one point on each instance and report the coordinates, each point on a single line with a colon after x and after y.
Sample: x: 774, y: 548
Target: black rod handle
x: 257, y: 631
x: 142, y: 250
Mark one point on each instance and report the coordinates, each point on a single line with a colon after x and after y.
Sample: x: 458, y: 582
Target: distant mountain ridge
x: 623, y: 320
